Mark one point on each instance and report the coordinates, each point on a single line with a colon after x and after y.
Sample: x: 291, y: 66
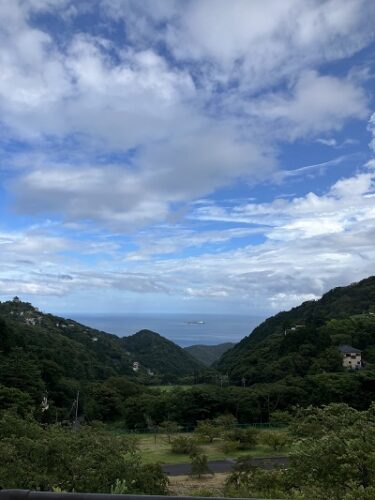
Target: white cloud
x: 317, y: 104
x: 348, y: 202
x: 327, y: 142
x: 123, y: 197
x: 128, y: 131
x: 312, y: 243
x: 371, y: 128
x: 242, y: 39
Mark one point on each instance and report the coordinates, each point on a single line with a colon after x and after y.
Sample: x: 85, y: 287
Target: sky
x: 185, y: 155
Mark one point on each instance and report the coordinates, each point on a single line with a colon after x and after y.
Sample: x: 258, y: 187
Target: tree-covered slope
x: 79, y: 351
x: 208, y: 354
x: 337, y: 303
x: 160, y: 355
x: 42, y: 354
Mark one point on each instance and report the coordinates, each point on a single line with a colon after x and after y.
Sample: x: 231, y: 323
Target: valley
x: 165, y: 407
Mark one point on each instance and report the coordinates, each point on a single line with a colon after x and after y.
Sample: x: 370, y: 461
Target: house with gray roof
x: 351, y: 357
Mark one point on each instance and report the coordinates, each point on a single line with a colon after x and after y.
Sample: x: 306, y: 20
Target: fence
x: 183, y: 429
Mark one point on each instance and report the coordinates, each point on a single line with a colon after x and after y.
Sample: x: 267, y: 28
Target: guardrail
x: 48, y: 495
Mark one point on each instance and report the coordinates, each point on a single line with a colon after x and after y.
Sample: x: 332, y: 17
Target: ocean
x: 183, y: 329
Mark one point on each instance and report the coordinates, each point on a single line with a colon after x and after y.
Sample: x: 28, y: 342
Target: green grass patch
x: 156, y: 449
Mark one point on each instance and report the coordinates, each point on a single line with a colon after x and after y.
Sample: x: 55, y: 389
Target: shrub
x: 199, y: 465
x: 251, y: 481
x: 275, y: 439
x: 43, y: 458
x: 184, y: 445
x: 226, y: 421
x: 281, y: 417
x: 229, y: 446
x: 207, y: 430
x: 169, y: 428
x: 246, y: 439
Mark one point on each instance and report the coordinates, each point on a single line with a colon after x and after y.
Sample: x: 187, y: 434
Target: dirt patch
x: 187, y: 486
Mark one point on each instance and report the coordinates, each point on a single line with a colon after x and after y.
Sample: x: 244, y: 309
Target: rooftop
x: 348, y: 349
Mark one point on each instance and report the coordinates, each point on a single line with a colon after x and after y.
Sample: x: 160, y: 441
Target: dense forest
x: 44, y: 355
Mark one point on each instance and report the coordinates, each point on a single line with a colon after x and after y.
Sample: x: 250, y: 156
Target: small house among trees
x: 351, y: 357
x: 135, y: 366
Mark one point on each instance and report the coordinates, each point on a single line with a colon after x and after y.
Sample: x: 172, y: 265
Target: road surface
x: 225, y: 465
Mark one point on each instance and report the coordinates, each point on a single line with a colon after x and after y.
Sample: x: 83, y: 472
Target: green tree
x: 17, y: 401
x: 244, y: 439
x: 275, y: 439
x: 207, y: 430
x: 225, y: 421
x: 335, y: 454
x: 6, y: 337
x: 92, y: 460
x: 199, y: 465
x: 249, y: 481
x: 184, y: 445
x: 169, y: 428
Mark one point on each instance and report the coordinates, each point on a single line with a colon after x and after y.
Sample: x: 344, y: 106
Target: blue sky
x: 185, y: 156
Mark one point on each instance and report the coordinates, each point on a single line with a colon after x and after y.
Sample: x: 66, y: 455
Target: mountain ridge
x: 338, y: 303
x: 90, y: 353
x: 160, y: 354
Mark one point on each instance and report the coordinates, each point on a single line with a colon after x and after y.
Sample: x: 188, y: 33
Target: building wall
x: 352, y: 361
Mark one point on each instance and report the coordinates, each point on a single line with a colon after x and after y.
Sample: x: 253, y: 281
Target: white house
x: 351, y: 357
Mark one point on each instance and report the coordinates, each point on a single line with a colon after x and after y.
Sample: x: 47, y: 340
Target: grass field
x: 156, y: 449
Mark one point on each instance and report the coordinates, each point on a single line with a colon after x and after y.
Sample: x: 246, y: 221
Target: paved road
x: 225, y: 465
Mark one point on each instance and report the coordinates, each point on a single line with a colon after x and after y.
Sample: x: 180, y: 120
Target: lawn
x: 156, y: 449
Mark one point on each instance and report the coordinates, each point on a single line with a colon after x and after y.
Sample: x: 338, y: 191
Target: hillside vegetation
x: 339, y: 303
x: 46, y: 355
x: 208, y: 354
x: 160, y: 354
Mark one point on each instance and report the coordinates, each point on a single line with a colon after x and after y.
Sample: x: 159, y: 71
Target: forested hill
x: 338, y: 303
x: 64, y: 349
x: 79, y: 351
x: 160, y: 355
x: 208, y: 354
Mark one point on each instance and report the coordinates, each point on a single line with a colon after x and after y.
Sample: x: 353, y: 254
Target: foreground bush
x: 90, y: 460
x: 248, y: 480
x: 333, y: 458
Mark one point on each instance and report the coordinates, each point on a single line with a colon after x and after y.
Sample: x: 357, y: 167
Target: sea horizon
x: 182, y: 328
